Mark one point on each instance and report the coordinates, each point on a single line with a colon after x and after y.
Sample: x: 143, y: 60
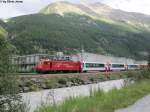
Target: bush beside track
x: 29, y: 83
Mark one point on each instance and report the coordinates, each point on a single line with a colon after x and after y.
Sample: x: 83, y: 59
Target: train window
x: 117, y: 65
x: 101, y: 65
x: 94, y: 65
x: 67, y: 58
x: 133, y: 66
x: 88, y: 65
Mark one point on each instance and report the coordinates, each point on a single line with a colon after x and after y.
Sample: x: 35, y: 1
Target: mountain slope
x: 115, y: 14
x: 3, y: 32
x: 68, y: 27
x: 61, y: 8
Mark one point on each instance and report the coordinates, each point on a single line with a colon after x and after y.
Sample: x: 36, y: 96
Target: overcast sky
x: 32, y: 6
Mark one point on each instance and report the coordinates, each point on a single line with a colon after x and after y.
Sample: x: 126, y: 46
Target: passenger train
x: 45, y: 66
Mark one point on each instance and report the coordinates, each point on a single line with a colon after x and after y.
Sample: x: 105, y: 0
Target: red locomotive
x: 58, y: 66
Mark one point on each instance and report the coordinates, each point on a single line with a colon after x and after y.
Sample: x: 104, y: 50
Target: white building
x: 102, y: 58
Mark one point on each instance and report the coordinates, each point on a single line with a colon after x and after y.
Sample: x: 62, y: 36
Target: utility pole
x: 82, y: 53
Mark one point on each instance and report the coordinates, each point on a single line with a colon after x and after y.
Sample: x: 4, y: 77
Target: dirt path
x: 142, y: 105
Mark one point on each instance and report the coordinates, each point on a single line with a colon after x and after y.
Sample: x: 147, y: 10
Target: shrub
x: 62, y: 81
x: 50, y: 83
x: 114, y: 76
x: 102, y: 78
x: 77, y: 80
x: 146, y: 73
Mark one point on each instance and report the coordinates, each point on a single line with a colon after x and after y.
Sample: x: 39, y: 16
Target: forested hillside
x: 2, y: 30
x: 58, y: 30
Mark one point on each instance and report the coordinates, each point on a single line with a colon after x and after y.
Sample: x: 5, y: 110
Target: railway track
x: 36, y: 75
x: 56, y: 74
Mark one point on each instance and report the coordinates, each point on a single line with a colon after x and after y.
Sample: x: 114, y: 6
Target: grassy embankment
x: 105, y: 102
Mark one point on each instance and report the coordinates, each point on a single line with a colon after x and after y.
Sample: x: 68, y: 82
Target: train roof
x: 94, y: 62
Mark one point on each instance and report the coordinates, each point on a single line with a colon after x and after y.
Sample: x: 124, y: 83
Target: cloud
x: 142, y: 6
x: 8, y: 10
x: 27, y: 7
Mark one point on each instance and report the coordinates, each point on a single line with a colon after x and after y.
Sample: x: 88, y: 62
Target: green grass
x: 103, y: 102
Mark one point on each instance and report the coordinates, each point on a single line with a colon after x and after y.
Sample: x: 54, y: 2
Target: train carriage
x: 117, y: 67
x: 133, y: 66
x: 143, y: 66
x: 93, y: 66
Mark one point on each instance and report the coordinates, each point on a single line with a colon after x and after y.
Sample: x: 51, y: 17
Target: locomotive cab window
x: 45, y: 63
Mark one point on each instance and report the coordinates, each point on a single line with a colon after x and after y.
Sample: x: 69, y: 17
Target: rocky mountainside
x: 96, y: 10
x: 63, y: 26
